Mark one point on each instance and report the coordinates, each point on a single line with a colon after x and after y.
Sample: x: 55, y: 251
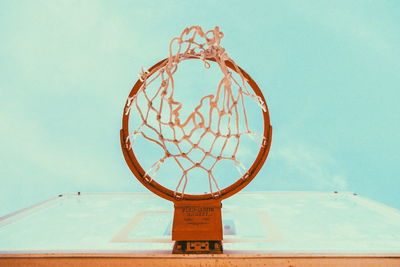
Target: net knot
x: 216, y: 195
x: 143, y: 74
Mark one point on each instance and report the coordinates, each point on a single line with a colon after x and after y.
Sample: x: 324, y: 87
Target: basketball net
x: 225, y: 109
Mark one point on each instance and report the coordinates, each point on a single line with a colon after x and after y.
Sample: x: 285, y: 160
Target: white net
x: 197, y: 134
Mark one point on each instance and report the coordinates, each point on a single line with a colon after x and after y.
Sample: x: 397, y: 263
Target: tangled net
x: 217, y: 115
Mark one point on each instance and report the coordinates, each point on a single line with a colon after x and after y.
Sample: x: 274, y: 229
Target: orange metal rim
x: 168, y: 194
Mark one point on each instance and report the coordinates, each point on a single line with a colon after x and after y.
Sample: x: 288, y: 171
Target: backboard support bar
x: 197, y: 227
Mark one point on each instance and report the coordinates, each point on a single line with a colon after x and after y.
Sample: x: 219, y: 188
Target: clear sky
x: 328, y: 69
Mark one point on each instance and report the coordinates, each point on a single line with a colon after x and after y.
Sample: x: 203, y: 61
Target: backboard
x: 266, y: 225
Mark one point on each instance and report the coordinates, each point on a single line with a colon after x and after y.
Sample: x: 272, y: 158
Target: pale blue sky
x: 329, y: 70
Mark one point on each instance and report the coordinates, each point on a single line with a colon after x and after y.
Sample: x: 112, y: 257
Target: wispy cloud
x: 311, y: 165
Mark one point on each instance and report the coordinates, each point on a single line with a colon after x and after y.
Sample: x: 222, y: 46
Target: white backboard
x: 273, y: 223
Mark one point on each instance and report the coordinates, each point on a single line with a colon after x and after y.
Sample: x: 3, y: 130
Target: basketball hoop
x: 221, y: 117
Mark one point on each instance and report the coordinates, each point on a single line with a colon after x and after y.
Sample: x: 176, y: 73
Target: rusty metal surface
x: 194, y: 260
